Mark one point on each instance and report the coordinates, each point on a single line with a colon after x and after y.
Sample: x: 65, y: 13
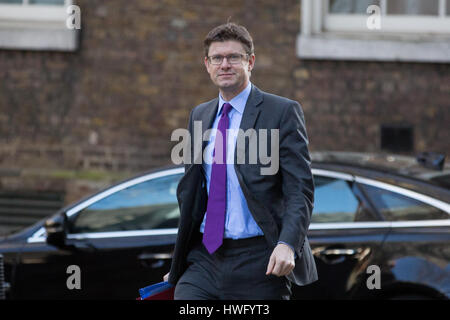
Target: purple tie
x: 217, y: 199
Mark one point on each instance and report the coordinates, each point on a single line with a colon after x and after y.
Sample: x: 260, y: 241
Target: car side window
x: 147, y: 205
x: 397, y: 207
x: 335, y: 201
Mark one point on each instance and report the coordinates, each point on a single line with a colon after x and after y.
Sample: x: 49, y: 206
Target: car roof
x: 359, y: 164
x: 404, y: 171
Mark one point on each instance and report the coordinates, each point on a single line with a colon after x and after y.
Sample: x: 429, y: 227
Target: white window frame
x: 346, y: 37
x: 36, y: 27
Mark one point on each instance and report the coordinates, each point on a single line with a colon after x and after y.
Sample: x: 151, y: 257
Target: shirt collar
x: 237, y: 102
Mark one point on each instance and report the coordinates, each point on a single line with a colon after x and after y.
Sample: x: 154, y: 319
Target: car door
x: 345, y: 236
x: 121, y: 239
x: 416, y: 262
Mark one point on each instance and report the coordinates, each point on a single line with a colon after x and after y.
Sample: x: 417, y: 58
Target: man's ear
x: 251, y: 62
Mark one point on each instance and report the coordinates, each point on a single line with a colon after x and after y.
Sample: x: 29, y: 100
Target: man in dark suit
x: 242, y: 232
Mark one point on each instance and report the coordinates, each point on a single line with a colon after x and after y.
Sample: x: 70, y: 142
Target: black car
x: 380, y: 229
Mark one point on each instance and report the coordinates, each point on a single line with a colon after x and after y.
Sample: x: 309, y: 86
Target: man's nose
x: 225, y: 64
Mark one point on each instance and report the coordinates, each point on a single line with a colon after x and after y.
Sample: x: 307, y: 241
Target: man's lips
x: 226, y: 74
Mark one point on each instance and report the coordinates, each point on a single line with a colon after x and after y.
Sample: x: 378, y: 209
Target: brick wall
x: 138, y: 72
x: 347, y: 102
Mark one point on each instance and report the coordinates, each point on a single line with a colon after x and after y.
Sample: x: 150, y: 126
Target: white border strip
x: 396, y: 24
x: 333, y: 174
x: 313, y: 226
x: 350, y: 225
x: 120, y: 234
x: 421, y: 223
x: 37, y: 13
x: 353, y: 47
x: 380, y: 224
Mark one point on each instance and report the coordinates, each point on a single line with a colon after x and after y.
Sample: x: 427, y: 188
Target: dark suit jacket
x: 281, y: 204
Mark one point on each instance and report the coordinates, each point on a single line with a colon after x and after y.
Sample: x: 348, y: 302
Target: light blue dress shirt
x: 239, y: 222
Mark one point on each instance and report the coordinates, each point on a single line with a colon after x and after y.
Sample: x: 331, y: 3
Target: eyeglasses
x: 234, y: 58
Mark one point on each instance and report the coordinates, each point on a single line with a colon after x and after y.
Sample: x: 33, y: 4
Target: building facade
x: 106, y: 97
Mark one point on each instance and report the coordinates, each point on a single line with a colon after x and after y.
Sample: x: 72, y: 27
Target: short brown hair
x: 229, y: 31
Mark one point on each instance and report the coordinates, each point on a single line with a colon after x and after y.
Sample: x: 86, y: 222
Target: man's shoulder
x: 279, y: 102
x: 202, y: 106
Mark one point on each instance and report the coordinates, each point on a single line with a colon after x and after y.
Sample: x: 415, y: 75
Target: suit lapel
x: 249, y: 117
x: 251, y: 110
x: 208, y: 119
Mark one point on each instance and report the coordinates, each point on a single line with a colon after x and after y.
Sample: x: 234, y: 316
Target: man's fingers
x: 286, y: 268
x: 277, y: 269
x: 281, y: 261
x: 270, y: 265
x: 282, y: 268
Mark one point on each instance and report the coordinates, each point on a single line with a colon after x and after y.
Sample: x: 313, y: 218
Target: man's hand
x: 281, y: 261
x: 166, y: 277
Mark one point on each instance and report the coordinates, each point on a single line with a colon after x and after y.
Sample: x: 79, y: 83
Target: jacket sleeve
x: 191, y: 142
x: 296, y: 176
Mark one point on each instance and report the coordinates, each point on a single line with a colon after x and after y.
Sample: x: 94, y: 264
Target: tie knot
x: 226, y: 109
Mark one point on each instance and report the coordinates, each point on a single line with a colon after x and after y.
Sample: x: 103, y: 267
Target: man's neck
x: 229, y: 94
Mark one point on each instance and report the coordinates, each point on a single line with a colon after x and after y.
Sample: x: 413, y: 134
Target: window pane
x: 147, y: 205
x: 396, y: 207
x: 413, y: 7
x: 11, y: 1
x: 334, y: 201
x: 448, y: 7
x: 47, y: 2
x: 351, y: 6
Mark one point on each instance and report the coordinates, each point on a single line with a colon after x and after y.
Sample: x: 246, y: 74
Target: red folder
x: 163, y: 295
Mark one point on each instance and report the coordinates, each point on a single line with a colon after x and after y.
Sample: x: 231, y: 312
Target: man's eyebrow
x: 214, y: 55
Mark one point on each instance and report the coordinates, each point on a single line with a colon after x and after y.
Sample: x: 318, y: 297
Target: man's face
x: 228, y: 76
